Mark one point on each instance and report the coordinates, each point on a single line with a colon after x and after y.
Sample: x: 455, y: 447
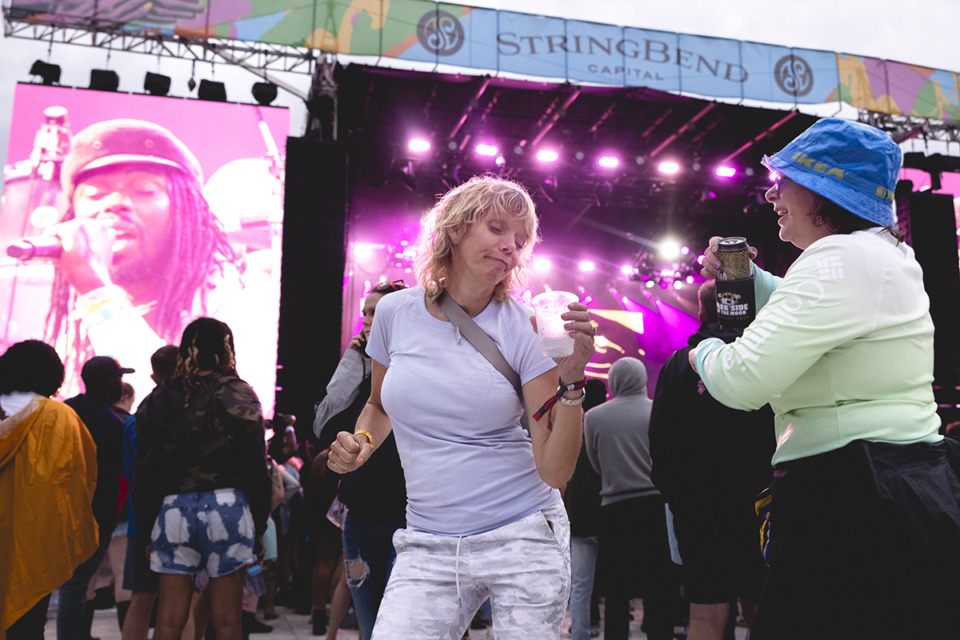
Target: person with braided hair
x: 201, y: 480
x: 142, y: 253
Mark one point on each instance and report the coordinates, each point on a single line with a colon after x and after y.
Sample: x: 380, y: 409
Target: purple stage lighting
x: 587, y: 265
x: 486, y: 149
x: 627, y: 269
x: 685, y: 250
x: 669, y: 167
x: 609, y: 162
x: 419, y: 145
x: 689, y: 280
x: 547, y: 155
x: 726, y: 172
x: 541, y: 264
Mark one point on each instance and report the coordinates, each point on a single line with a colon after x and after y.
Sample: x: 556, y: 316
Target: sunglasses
x: 389, y: 287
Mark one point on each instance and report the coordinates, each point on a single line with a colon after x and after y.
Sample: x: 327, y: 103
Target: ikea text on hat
x: 854, y: 165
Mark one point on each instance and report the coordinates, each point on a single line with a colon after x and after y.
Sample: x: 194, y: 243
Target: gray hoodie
x: 616, y: 435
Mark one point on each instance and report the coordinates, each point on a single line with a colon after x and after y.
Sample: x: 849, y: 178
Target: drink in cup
x: 555, y: 341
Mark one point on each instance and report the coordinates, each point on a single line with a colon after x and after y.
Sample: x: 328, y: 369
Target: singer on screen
x: 141, y: 253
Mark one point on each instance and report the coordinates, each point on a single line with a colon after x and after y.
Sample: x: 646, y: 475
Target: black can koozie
x: 736, y: 300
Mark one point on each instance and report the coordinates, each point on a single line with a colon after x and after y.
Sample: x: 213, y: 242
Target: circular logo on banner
x: 794, y: 75
x: 440, y: 32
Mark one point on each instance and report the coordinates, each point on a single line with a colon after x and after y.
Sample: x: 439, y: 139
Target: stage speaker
x: 932, y: 232
x: 311, y: 275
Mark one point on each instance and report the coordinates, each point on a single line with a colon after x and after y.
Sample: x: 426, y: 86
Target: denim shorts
x: 210, y: 530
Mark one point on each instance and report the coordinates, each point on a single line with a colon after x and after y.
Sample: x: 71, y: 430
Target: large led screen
x: 124, y: 217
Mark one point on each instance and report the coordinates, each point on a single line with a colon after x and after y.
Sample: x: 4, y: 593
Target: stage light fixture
x: 587, y: 265
x: 669, y: 167
x: 49, y: 73
x: 212, y: 91
x: 419, y: 145
x: 608, y: 162
x: 541, y: 264
x: 104, y: 80
x: 264, y: 93
x: 726, y: 172
x: 408, y: 176
x: 547, y: 155
x: 156, y: 84
x: 486, y: 150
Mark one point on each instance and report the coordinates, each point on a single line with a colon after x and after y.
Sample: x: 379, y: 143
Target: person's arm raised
x: 557, y: 435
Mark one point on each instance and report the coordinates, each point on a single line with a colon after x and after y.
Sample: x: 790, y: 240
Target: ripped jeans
x: 368, y: 549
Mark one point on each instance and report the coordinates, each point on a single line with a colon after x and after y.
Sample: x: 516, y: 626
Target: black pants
x: 634, y: 561
x: 30, y: 625
x: 865, y: 543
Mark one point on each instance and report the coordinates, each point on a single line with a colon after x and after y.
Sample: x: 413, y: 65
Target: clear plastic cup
x: 555, y: 341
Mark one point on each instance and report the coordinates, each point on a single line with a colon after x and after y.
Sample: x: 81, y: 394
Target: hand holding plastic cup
x: 555, y: 341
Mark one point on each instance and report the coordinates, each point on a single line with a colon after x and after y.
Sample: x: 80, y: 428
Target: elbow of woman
x: 556, y: 478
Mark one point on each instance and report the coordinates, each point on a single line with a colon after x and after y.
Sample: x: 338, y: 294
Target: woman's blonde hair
x: 457, y: 211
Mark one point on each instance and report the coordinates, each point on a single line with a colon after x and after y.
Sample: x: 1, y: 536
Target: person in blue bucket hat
x: 862, y: 521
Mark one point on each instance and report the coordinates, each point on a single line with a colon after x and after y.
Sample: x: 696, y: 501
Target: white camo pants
x: 439, y: 582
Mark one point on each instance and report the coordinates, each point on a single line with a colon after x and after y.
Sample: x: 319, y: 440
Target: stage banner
x: 177, y: 207
x: 494, y: 41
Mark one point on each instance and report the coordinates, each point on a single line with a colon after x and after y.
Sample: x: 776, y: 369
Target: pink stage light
x: 486, y: 149
x: 726, y: 172
x: 587, y: 265
x: 609, y: 162
x: 419, y: 145
x: 627, y: 269
x: 669, y: 167
x: 685, y: 250
x: 547, y: 155
x: 689, y: 280
x: 541, y: 264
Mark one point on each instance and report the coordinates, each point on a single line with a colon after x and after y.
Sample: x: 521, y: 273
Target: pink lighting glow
x: 419, y: 145
x: 541, y: 264
x: 609, y: 162
x: 669, y: 167
x: 587, y: 265
x: 486, y: 149
x: 726, y: 172
x: 547, y: 155
x: 626, y: 269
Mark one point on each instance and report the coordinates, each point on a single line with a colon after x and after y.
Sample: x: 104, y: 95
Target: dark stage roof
x: 613, y: 212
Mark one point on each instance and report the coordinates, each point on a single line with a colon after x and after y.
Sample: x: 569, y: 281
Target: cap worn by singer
x: 851, y: 164
x: 120, y: 142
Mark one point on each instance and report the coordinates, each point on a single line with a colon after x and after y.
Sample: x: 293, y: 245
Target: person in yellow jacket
x: 48, y: 472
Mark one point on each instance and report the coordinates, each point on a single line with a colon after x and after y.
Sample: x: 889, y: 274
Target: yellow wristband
x: 367, y: 435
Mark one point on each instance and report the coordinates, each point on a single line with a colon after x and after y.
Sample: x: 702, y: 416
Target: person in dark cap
x: 103, y: 383
x: 141, y: 250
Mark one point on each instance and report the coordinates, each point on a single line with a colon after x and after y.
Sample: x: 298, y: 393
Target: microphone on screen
x: 34, y: 248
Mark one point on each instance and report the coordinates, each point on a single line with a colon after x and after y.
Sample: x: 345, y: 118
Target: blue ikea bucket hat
x: 851, y: 164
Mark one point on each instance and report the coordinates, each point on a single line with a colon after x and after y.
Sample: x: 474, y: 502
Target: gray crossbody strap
x: 482, y: 343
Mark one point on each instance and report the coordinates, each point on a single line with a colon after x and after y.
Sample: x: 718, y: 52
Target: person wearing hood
x: 709, y: 463
x: 634, y: 557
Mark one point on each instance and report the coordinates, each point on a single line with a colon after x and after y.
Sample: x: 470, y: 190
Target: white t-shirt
x: 468, y: 463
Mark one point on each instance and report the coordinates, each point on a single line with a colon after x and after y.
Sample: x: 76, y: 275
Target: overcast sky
x: 921, y: 32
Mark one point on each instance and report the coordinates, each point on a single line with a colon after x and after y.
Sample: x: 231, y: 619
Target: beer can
x: 734, y: 258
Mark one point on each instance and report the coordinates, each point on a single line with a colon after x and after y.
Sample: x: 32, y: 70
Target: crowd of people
x: 514, y: 491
